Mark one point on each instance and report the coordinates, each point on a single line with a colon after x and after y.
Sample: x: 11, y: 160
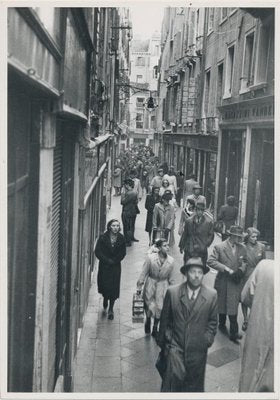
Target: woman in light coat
x: 255, y: 252
x: 156, y: 276
x: 257, y: 363
x: 164, y: 217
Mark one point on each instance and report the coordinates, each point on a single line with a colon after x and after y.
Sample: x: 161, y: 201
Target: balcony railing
x: 208, y: 125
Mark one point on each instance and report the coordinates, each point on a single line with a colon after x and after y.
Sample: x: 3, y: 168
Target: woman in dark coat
x: 150, y: 203
x: 110, y: 250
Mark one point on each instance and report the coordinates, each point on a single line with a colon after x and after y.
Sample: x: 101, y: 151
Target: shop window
x: 247, y: 78
x: 220, y: 83
x: 140, y: 62
x: 262, y: 54
x: 211, y: 19
x: 229, y: 71
x: 206, y: 92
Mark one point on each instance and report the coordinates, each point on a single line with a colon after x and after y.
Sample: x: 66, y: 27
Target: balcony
x: 208, y: 125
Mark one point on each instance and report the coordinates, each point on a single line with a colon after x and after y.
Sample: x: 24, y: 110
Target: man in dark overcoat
x: 129, y: 202
x: 188, y: 325
x: 229, y: 259
x: 198, y: 234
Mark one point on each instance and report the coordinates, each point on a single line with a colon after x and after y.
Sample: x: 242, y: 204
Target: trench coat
x: 185, y: 214
x: 164, y: 218
x: 150, y: 203
x: 228, y: 291
x: 186, y: 332
x: 157, y: 278
x: 109, y: 269
x: 197, y: 236
x: 228, y: 215
x: 257, y: 364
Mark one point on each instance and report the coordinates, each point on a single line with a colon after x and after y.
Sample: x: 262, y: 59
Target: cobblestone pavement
x: 117, y: 356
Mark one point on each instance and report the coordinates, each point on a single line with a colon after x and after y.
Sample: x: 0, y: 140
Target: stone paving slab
x: 117, y: 356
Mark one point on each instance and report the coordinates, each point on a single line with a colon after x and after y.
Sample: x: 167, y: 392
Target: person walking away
x: 198, y: 234
x: 157, y: 274
x: 188, y: 187
x: 228, y: 215
x: 129, y: 210
x: 157, y: 180
x: 164, y: 218
x: 151, y: 200
x: 110, y: 250
x: 180, y: 187
x: 229, y: 259
x: 255, y: 252
x: 171, y: 177
x: 257, y: 363
x: 117, y: 180
x: 187, y: 212
x: 188, y: 326
x: 196, y: 196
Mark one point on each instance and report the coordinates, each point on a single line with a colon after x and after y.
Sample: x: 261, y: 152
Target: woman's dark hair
x: 191, y: 202
x: 111, y: 222
x: 250, y: 232
x: 231, y: 200
x: 165, y: 180
x: 159, y: 242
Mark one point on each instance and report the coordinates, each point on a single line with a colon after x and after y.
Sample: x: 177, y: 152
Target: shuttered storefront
x: 55, y: 236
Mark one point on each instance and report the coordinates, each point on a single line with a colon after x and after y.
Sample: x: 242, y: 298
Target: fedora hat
x: 236, y: 230
x: 194, y: 262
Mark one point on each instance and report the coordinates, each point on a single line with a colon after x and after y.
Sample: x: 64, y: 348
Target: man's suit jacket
x: 228, y: 291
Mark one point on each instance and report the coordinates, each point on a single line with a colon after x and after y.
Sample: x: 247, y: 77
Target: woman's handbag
x: 137, y: 307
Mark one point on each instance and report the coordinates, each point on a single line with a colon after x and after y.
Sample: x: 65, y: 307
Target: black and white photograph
x: 139, y: 200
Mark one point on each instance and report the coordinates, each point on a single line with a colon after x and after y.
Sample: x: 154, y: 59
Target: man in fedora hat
x: 196, y: 196
x: 229, y: 259
x: 198, y: 234
x: 188, y: 325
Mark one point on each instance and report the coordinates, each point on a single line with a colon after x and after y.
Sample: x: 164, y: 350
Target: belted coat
x: 186, y: 332
x: 228, y: 291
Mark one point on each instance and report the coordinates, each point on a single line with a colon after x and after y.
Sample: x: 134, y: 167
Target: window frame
x: 210, y: 30
x: 227, y: 94
x: 246, y: 88
x: 222, y: 20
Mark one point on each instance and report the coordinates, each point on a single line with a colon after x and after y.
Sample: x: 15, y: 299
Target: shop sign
x: 248, y: 113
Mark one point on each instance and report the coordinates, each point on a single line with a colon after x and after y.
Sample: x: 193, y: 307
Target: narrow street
x: 117, y: 356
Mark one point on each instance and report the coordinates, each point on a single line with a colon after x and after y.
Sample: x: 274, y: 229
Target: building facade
x: 187, y: 139
x: 61, y: 129
x: 143, y: 82
x: 242, y: 63
x: 216, y: 106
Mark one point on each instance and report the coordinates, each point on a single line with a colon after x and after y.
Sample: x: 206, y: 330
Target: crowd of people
x: 186, y: 316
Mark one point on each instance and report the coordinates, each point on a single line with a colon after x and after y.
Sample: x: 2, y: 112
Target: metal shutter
x: 55, y: 235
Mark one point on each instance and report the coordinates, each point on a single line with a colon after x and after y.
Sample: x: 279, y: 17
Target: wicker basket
x: 137, y: 308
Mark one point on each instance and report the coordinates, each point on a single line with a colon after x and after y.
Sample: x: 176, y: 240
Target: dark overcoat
x: 150, y: 205
x: 186, y: 332
x: 109, y: 272
x: 228, y: 291
x: 197, y: 236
